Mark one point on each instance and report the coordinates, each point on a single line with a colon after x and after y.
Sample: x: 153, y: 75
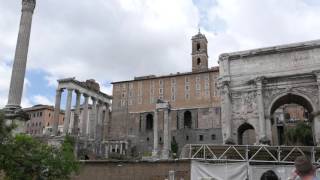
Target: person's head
x: 269, y: 175
x: 304, y: 166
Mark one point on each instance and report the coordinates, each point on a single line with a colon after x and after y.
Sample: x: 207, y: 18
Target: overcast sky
x: 118, y: 39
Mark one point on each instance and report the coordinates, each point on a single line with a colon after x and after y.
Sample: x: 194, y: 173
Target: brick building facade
x: 193, y: 98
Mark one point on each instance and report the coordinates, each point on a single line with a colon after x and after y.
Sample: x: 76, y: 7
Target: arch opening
x: 187, y: 119
x: 246, y: 134
x: 290, y: 115
x: 149, y: 124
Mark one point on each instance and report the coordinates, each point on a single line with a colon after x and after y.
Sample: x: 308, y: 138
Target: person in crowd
x: 269, y: 175
x: 303, y: 169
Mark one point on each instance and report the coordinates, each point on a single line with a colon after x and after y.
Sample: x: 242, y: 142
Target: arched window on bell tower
x: 199, y: 52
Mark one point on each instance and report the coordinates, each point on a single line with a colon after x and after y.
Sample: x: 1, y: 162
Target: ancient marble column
x: 56, y: 112
x: 98, y: 121
x: 226, y: 114
x: 262, y: 121
x: 155, y: 134
x: 166, y: 138
x: 75, y: 129
x: 316, y: 121
x: 85, y: 115
x: 67, y: 113
x: 92, y: 119
x: 20, y: 58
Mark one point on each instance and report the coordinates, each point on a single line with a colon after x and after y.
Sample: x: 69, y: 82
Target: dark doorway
x: 187, y: 119
x: 149, y: 124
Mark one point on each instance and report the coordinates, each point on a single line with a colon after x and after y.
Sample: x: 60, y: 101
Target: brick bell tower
x: 199, y: 52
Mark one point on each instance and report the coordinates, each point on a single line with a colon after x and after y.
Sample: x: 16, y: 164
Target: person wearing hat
x: 303, y: 169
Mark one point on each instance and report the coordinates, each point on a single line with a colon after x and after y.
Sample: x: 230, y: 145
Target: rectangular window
x: 187, y: 96
x: 161, y: 83
x: 160, y: 91
x: 186, y: 80
x: 123, y: 87
x: 131, y: 85
x: 130, y: 102
x: 200, y: 137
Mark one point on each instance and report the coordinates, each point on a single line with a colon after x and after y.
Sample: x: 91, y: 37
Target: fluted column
x: 85, y: 115
x: 75, y: 128
x: 98, y: 121
x: 93, y: 118
x: 56, y: 112
x: 67, y: 113
x: 262, y: 121
x: 316, y: 121
x: 155, y: 134
x: 166, y: 139
x: 20, y: 58
x: 226, y: 114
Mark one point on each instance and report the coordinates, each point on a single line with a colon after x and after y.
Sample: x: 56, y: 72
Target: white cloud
x: 119, y: 39
x: 39, y: 99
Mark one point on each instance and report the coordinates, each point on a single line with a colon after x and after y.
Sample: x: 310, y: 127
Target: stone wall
x: 143, y: 170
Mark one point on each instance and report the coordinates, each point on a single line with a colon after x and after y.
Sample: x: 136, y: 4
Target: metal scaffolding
x: 249, y: 153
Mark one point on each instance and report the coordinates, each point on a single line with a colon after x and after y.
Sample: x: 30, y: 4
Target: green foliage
x: 24, y: 158
x: 174, y: 148
x: 300, y: 135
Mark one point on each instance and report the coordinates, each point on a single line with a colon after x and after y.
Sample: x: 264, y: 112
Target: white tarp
x: 225, y: 171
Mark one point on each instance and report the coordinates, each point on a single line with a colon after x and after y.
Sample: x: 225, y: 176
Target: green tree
x: 300, y: 135
x: 25, y: 158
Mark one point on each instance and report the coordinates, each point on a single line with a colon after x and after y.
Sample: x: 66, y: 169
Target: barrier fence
x: 249, y: 153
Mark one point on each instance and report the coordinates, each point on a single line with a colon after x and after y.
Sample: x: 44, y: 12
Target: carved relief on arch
x: 244, y: 105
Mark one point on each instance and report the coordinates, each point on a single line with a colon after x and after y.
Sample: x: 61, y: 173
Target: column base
x: 229, y: 141
x: 155, y: 154
x: 165, y: 154
x: 264, y: 141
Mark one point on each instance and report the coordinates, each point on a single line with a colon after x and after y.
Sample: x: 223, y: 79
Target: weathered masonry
x: 150, y: 112
x: 255, y: 83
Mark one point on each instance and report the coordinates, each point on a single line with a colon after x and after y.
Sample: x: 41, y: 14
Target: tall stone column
x: 85, y: 115
x: 56, y: 112
x: 75, y: 128
x: 166, y: 138
x: 105, y: 123
x: 68, y: 112
x: 262, y: 121
x: 20, y: 58
x: 316, y: 121
x: 93, y: 118
x: 155, y: 134
x: 98, y: 121
x: 226, y: 114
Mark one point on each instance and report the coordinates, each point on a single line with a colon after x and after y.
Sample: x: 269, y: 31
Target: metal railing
x: 249, y: 153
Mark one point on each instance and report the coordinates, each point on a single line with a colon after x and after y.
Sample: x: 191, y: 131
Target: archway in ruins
x: 286, y: 111
x: 246, y: 134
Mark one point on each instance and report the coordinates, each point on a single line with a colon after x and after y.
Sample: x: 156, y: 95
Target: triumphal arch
x: 254, y: 83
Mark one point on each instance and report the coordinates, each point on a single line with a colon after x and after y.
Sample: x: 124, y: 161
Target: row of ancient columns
x: 92, y: 128
x: 166, y: 131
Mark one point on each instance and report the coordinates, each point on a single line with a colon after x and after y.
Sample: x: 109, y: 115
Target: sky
x: 117, y: 40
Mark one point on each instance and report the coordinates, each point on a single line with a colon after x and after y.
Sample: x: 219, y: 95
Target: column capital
x: 59, y: 90
x: 77, y: 91
x: 85, y: 95
x: 94, y: 99
x: 28, y: 5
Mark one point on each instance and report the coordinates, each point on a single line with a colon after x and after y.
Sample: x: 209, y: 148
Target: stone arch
x: 187, y: 119
x: 246, y: 134
x: 291, y: 97
x: 288, y: 98
x: 149, y: 122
